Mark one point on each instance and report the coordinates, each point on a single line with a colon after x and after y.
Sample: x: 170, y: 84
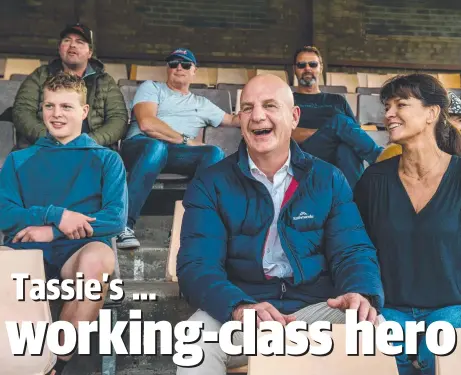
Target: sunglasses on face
x: 175, y: 63
x: 303, y: 64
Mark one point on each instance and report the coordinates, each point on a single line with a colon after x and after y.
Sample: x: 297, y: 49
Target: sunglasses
x: 302, y: 64
x: 175, y: 63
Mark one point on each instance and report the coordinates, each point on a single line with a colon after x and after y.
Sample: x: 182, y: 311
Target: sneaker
x: 127, y: 239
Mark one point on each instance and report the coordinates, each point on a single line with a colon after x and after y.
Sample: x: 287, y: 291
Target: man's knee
x: 94, y: 259
x: 213, y: 154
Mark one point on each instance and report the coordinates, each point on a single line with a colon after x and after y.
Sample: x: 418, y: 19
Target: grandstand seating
x: 143, y: 73
x: 2, y: 66
x: 8, y: 90
x: 368, y: 90
x: 450, y: 81
x: 370, y: 110
x: 279, y: 73
x: 20, y: 66
x: 235, y: 76
x: 116, y: 71
x: 350, y: 81
x: 18, y: 77
x: 336, y: 363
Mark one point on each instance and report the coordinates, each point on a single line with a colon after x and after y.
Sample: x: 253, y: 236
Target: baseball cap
x: 79, y: 29
x: 182, y: 53
x: 455, y: 104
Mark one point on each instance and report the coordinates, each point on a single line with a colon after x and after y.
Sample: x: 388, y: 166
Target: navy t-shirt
x: 419, y: 253
x: 317, y: 109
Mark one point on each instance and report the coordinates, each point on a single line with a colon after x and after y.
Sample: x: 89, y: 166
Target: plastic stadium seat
x: 334, y: 89
x: 343, y: 79
x: 450, y: 81
x: 450, y: 364
x: 8, y: 90
x: 20, y: 66
x: 206, y: 76
x: 227, y: 138
x: 219, y: 97
x: 352, y: 100
x: 336, y: 363
x: 116, y: 71
x: 31, y: 263
x: 237, y: 101
x: 368, y: 90
x: 18, y: 77
x: 2, y: 67
x: 232, y: 90
x: 143, y: 73
x: 279, y: 73
x: 376, y: 80
x: 370, y: 110
x: 235, y: 76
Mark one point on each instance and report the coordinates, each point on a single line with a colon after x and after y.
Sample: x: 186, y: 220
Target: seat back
x: 336, y: 363
x: 352, y: 101
x: 2, y: 66
x: 228, y: 139
x: 128, y: 93
x: 116, y: 71
x: 376, y: 80
x: 8, y: 91
x: 350, y: 81
x: 334, y: 89
x: 219, y: 97
x: 20, y: 66
x: 31, y: 263
x: 368, y: 90
x: 170, y: 274
x: 206, y: 77
x: 18, y: 77
x: 235, y: 76
x: 370, y: 110
x: 450, y: 364
x: 450, y: 81
x: 232, y: 88
x: 144, y: 73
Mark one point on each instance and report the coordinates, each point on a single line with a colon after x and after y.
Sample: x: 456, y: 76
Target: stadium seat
x: 20, y: 66
x: 237, y: 101
x: 334, y: 89
x: 219, y: 97
x: 343, y: 79
x: 370, y: 110
x: 2, y: 67
x: 376, y: 80
x: 235, y: 76
x: 8, y: 90
x: 279, y: 73
x: 29, y: 262
x: 143, y: 73
x: 206, y: 77
x: 368, y: 90
x: 352, y: 100
x: 232, y: 91
x: 116, y: 71
x: 450, y: 364
x: 450, y: 81
x: 227, y: 138
x: 128, y: 82
x: 335, y: 363
x: 18, y: 77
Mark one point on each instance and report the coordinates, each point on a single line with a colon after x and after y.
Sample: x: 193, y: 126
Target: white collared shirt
x: 275, y: 262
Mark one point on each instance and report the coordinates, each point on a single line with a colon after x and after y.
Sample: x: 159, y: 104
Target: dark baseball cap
x: 79, y: 29
x: 182, y: 53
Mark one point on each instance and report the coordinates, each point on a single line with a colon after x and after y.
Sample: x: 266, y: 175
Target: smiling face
x: 406, y: 119
x: 179, y: 76
x: 267, y: 115
x: 74, y: 51
x: 63, y: 114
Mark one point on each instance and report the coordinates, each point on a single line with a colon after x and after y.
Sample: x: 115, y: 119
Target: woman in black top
x: 411, y: 207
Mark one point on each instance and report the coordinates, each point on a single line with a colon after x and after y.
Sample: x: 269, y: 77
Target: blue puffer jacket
x: 228, y: 214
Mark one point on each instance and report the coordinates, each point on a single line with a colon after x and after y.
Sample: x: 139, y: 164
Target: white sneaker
x: 127, y: 239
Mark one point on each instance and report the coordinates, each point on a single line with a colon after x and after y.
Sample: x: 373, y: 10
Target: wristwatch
x: 185, y: 138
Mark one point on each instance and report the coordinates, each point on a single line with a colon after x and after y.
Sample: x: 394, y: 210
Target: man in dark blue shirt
x: 327, y: 127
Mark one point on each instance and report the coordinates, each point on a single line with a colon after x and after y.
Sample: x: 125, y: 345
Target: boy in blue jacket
x: 273, y: 229
x: 65, y: 195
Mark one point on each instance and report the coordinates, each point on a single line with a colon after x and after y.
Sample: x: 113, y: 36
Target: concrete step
x: 146, y: 263
x: 167, y: 307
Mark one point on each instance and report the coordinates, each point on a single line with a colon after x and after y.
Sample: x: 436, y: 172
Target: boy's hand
x: 35, y: 234
x: 75, y: 225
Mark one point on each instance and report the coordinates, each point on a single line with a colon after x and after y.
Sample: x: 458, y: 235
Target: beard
x: 307, y: 80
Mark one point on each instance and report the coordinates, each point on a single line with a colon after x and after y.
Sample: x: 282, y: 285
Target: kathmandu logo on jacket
x: 302, y: 216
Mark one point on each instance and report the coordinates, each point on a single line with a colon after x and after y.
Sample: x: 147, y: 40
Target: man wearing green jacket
x: 107, y: 119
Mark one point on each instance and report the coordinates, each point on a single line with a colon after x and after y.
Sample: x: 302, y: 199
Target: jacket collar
x: 96, y: 65
x: 301, y: 162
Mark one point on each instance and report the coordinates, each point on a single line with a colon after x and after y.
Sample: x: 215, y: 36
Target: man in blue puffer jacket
x: 66, y: 196
x: 274, y: 229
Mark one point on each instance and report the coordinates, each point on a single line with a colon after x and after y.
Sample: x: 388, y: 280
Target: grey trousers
x: 216, y: 361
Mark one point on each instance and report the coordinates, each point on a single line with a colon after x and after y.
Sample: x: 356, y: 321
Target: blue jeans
x: 426, y: 360
x: 343, y: 143
x: 146, y: 157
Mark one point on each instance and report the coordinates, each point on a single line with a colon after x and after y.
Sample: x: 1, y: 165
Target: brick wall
x: 423, y: 32
x: 145, y: 30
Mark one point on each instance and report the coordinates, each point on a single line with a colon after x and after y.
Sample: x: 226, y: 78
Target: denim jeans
x: 426, y: 360
x: 343, y: 143
x: 146, y: 157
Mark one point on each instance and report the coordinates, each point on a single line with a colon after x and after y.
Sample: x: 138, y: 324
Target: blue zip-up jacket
x: 38, y: 183
x: 227, y: 216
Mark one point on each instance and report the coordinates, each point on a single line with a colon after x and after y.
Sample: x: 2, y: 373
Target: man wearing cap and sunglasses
x: 107, y: 119
x: 165, y: 124
x: 327, y: 127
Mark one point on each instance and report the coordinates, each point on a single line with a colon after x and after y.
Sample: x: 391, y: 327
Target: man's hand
x: 35, y: 234
x: 75, y: 225
x: 264, y: 312
x: 357, y: 302
x: 195, y: 142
